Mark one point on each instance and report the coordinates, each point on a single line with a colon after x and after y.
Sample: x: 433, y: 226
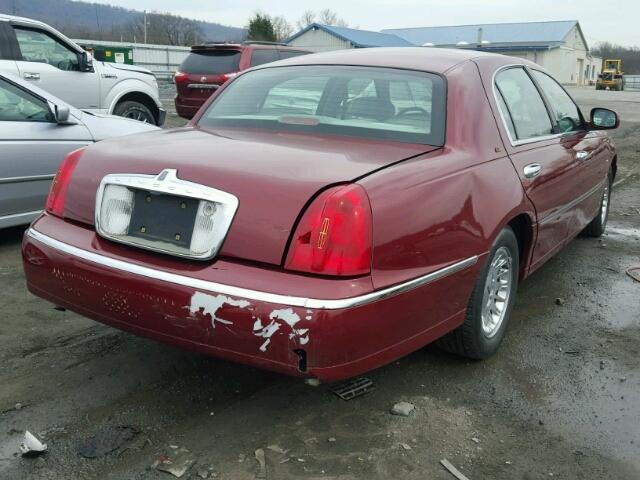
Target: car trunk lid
x: 273, y: 175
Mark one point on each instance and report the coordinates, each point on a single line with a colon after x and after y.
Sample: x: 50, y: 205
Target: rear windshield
x: 369, y: 102
x: 211, y: 61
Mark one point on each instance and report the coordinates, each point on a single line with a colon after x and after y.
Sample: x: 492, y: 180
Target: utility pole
x: 145, y: 26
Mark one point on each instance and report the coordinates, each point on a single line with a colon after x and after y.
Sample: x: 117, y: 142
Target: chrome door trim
x: 219, y: 288
x: 31, y: 178
x: 568, y: 206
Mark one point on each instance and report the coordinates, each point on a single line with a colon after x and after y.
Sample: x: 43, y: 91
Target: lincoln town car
x: 324, y: 215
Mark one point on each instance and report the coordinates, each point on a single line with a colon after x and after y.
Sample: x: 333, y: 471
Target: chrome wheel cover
x: 497, y: 290
x: 604, y: 211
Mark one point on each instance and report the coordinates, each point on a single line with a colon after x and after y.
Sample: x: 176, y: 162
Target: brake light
x: 60, y: 184
x: 229, y: 76
x: 180, y: 77
x: 334, y: 236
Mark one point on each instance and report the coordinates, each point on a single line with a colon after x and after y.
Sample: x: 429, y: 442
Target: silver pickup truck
x: 43, y: 56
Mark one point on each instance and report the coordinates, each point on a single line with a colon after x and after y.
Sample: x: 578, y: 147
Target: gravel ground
x: 560, y: 399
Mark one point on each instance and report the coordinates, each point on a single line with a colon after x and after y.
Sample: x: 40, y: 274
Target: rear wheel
x: 491, y: 302
x: 135, y: 111
x: 599, y: 224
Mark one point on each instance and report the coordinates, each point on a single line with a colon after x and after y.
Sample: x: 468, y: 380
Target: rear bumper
x: 330, y: 339
x: 187, y: 108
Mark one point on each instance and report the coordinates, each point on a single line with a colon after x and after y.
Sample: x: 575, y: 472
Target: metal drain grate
x: 353, y: 388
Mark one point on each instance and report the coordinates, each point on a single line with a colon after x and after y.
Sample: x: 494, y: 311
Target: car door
x: 588, y: 149
x: 53, y: 65
x: 32, y: 146
x: 546, y: 167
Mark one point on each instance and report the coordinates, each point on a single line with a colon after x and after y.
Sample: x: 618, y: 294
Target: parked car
x: 325, y: 215
x: 43, y: 56
x: 209, y: 66
x: 37, y: 130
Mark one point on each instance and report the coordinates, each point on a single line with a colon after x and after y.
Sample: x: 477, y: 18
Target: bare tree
x: 167, y: 29
x: 328, y: 17
x: 307, y: 19
x: 281, y: 27
x: 325, y: 17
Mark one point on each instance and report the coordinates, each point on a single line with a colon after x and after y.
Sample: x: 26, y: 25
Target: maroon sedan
x: 325, y: 215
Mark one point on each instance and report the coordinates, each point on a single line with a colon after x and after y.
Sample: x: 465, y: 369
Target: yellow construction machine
x: 610, y: 78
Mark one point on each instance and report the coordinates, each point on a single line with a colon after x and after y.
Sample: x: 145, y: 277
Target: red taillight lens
x: 60, y: 184
x: 335, y: 234
x: 179, y: 77
x: 229, y: 76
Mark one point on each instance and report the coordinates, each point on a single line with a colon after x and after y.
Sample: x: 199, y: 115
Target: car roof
x: 13, y: 18
x: 240, y: 46
x: 436, y: 60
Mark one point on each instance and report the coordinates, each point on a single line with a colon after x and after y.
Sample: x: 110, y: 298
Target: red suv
x: 209, y: 66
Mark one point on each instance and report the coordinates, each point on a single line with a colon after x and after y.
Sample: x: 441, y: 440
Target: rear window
x: 369, y: 102
x: 291, y: 53
x: 212, y: 61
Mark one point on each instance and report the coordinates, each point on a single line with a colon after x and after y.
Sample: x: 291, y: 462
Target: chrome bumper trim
x: 219, y: 288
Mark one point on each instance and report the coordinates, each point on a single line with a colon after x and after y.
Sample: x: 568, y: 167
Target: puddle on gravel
x: 618, y: 231
x: 9, y: 446
x: 606, y: 415
x: 618, y: 314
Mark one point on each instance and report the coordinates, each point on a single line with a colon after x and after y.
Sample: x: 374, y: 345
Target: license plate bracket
x: 163, y: 218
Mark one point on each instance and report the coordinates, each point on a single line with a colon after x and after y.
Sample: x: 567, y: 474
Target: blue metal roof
x: 547, y: 34
x: 357, y: 38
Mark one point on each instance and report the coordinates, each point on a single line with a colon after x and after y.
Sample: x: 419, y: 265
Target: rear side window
x: 211, y: 62
x: 16, y: 105
x: 379, y: 103
x: 262, y: 56
x: 523, y: 104
x: 565, y: 111
x: 291, y: 53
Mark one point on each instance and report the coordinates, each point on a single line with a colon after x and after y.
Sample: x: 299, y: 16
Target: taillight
x: 335, y: 234
x: 179, y: 77
x: 229, y: 76
x: 60, y: 184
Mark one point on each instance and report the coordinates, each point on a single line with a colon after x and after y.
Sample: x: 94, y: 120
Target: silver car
x: 36, y: 131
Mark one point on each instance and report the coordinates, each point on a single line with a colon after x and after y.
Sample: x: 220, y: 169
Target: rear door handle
x: 532, y: 170
x: 31, y: 76
x: 582, y: 155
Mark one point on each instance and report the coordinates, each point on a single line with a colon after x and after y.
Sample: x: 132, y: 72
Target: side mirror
x: 62, y: 114
x: 603, y: 119
x: 86, y: 62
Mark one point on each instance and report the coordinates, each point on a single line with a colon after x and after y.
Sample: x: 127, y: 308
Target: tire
x: 135, y: 111
x: 477, y: 339
x: 599, y: 224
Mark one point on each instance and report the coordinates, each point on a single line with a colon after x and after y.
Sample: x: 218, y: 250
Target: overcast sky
x: 615, y: 21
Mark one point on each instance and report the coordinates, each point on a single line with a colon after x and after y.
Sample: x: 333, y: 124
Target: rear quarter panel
x: 448, y: 205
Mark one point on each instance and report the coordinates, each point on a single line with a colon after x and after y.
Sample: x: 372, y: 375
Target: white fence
x: 631, y: 82
x: 163, y: 60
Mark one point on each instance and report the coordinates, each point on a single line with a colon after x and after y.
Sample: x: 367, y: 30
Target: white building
x: 322, y: 38
x: 559, y: 46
